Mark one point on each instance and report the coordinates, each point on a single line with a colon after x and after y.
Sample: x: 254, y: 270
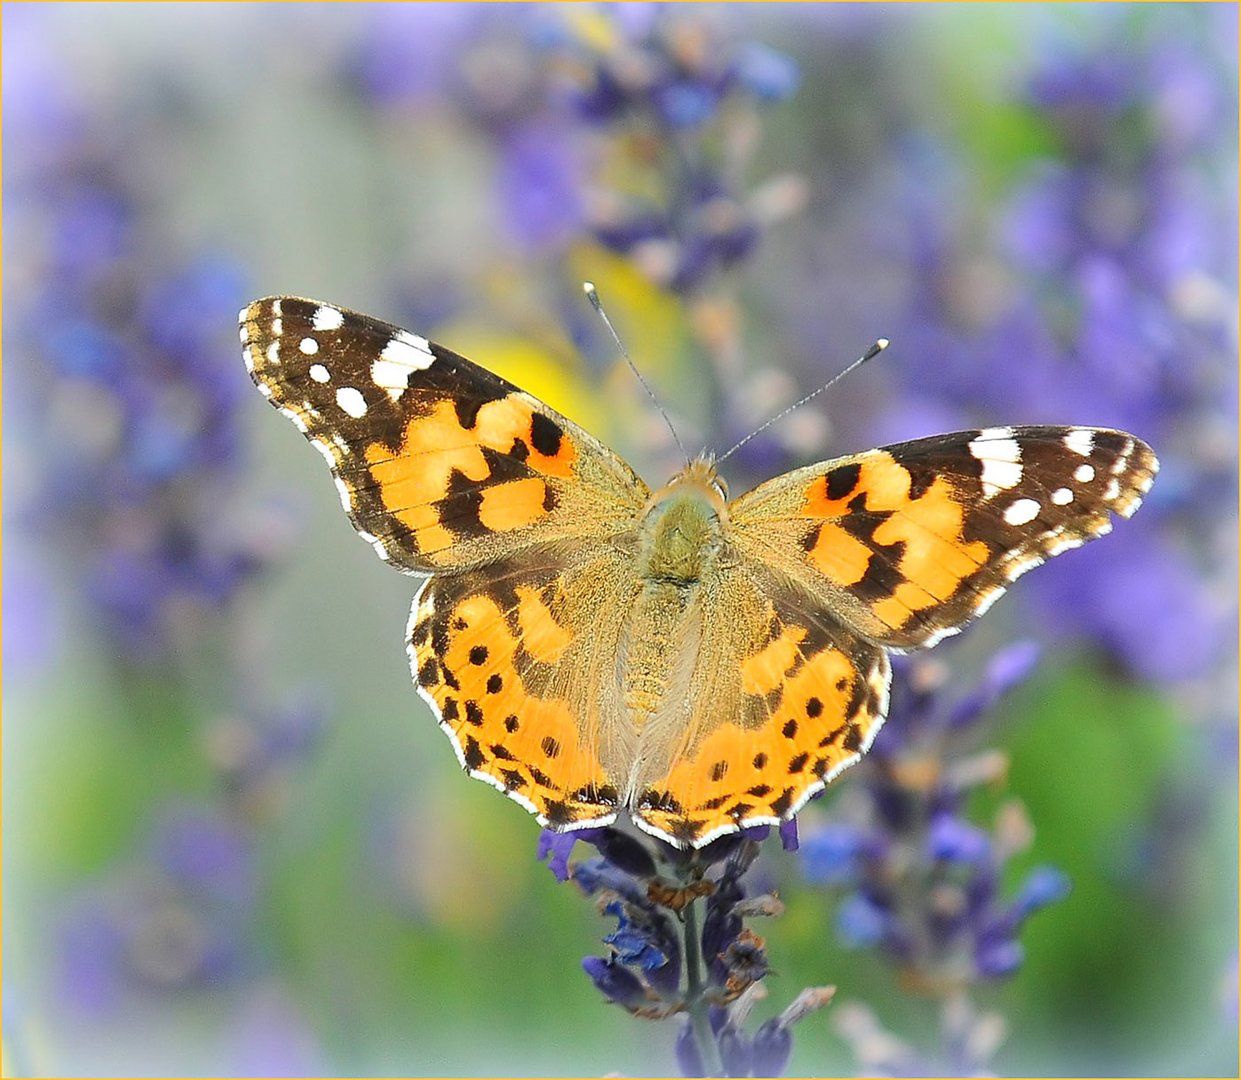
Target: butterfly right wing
x: 440, y: 464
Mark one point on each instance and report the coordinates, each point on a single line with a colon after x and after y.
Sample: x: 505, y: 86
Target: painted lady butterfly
x: 591, y: 646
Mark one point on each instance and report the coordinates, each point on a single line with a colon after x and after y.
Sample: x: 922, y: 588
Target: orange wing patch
x: 441, y: 482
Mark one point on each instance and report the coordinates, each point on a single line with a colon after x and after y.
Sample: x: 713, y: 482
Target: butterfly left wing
x: 441, y: 464
x: 907, y: 543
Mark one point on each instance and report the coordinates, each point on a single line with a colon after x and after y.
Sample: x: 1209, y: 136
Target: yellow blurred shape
x: 537, y: 370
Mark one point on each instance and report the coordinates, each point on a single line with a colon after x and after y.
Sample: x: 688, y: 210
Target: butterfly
x: 593, y: 647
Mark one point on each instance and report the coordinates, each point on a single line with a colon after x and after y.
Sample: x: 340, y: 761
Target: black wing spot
x: 551, y: 747
x: 559, y: 812
x: 781, y: 803
x: 502, y: 752
x: 519, y: 450
x: 511, y: 724
x: 473, y: 714
x: 842, y: 480
x: 449, y: 712
x: 659, y: 800
x: 513, y: 780
x: 421, y: 632
x: 718, y: 770
x: 790, y: 729
x: 759, y: 790
x: 842, y: 683
x: 540, y: 777
x: 883, y: 573
x: 814, y: 707
x: 478, y: 655
x: 429, y: 673
x: 760, y: 761
x: 921, y: 477
x: 473, y: 753
x: 545, y: 435
x: 853, y: 739
x: 799, y: 762
x: 494, y: 684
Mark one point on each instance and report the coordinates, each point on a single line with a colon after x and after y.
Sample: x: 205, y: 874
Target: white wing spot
x: 1080, y: 441
x: 243, y: 313
x: 1020, y: 566
x: 352, y: 401
x: 277, y: 309
x: 327, y: 318
x: 319, y: 373
x: 1063, y: 543
x: 1021, y: 512
x: 1062, y: 497
x: 1083, y: 474
x: 1122, y: 462
x: 409, y: 350
x: 298, y: 422
x: 1000, y: 455
x: 986, y: 600
x: 248, y: 356
x: 308, y: 345
x: 341, y: 489
x: 326, y: 451
x: 273, y: 353
x: 1113, y: 489
x: 243, y: 334
x: 277, y: 327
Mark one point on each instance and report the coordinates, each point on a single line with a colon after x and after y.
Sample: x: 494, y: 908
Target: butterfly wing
x: 909, y: 542
x: 518, y: 660
x: 440, y: 464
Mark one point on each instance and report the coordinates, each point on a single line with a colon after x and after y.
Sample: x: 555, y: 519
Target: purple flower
x: 921, y: 880
x: 613, y: 980
x: 539, y: 180
x: 662, y: 961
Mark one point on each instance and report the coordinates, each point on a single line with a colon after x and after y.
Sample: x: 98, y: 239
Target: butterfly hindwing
x: 783, y: 697
x: 909, y: 542
x: 513, y: 658
x: 440, y: 463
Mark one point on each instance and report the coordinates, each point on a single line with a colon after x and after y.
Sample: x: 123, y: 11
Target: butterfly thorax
x: 682, y: 527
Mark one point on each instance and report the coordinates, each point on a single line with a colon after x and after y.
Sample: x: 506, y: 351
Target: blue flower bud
x: 736, y: 1051
x: 773, y: 1043
x: 954, y: 840
x: 615, y: 981
x: 860, y: 923
x: 769, y: 75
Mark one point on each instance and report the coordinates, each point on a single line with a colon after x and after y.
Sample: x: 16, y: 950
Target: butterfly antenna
x: 593, y: 296
x: 870, y: 354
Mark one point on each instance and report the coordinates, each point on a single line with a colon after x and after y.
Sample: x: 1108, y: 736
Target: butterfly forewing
x: 911, y: 541
x: 440, y: 463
